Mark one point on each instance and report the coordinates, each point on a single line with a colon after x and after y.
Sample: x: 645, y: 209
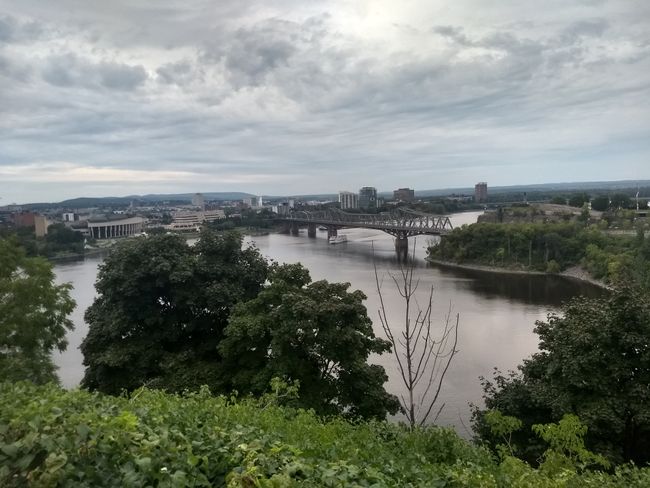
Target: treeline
x: 549, y: 247
x: 59, y: 241
x: 53, y: 437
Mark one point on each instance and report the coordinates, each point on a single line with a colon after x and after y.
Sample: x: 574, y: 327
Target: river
x: 497, y: 311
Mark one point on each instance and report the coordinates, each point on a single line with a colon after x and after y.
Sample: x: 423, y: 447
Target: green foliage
x: 33, y: 315
x: 578, y: 200
x: 317, y: 333
x: 558, y: 200
x: 548, y: 247
x: 52, y: 437
x: 600, y: 203
x: 594, y: 362
x: 162, y: 308
x: 566, y: 446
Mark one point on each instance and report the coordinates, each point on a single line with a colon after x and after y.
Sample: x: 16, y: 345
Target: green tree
x: 621, y: 200
x: 162, y: 308
x: 317, y: 333
x: 600, y: 203
x: 594, y: 362
x: 558, y: 200
x: 578, y: 200
x: 33, y: 315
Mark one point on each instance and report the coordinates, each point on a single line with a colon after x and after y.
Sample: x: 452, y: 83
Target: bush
x: 53, y: 437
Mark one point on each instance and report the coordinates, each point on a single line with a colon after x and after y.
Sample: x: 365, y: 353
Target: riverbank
x: 574, y: 273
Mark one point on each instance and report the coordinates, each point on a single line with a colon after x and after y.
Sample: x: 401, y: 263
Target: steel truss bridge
x: 401, y: 223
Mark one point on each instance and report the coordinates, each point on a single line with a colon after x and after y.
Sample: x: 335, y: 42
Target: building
x: 198, y: 201
x: 68, y: 217
x: 480, y: 192
x: 193, y: 220
x: 260, y: 202
x: 110, y: 228
x: 348, y: 199
x: 368, y: 197
x: 24, y: 219
x: 404, y: 195
x: 248, y: 202
x: 40, y: 225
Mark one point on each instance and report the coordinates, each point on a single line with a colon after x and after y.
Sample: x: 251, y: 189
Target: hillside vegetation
x: 53, y: 437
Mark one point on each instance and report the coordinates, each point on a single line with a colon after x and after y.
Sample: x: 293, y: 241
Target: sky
x: 282, y: 97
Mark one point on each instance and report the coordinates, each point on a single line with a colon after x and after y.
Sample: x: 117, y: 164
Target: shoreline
x: 575, y: 273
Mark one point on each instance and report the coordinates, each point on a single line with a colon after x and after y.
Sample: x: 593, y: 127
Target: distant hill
x: 84, y: 202
x: 568, y: 187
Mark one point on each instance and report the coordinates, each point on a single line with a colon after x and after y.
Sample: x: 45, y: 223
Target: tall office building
x: 404, y: 195
x: 347, y: 199
x: 480, y: 192
x: 198, y: 201
x: 368, y: 197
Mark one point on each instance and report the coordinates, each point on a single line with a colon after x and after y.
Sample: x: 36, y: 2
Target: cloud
x: 258, y: 96
x: 69, y: 70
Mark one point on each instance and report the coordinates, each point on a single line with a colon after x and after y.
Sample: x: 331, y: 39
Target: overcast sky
x: 110, y: 98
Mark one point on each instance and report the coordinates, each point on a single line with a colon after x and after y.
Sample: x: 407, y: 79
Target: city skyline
x: 292, y: 98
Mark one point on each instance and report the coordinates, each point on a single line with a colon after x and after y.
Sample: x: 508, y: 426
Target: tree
x: 423, y: 355
x: 558, y: 200
x: 620, y: 200
x: 162, y: 308
x: 600, y: 203
x: 317, y: 333
x: 594, y: 362
x: 578, y: 200
x: 33, y: 316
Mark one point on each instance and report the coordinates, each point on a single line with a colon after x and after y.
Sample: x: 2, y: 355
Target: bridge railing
x: 399, y: 218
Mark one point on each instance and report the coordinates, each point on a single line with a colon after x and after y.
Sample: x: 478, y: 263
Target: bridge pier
x: 402, y: 246
x: 295, y: 229
x: 286, y: 227
x: 311, y: 230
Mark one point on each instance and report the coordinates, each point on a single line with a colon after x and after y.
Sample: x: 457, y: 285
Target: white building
x: 108, y: 229
x: 193, y: 220
x: 260, y: 202
x: 348, y: 199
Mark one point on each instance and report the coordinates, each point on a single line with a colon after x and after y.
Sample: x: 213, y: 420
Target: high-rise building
x: 404, y: 195
x: 198, y: 201
x: 368, y: 197
x: 347, y: 199
x: 260, y: 202
x: 480, y: 192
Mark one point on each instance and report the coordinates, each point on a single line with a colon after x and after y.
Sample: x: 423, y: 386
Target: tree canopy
x: 33, y: 315
x: 594, y: 362
x: 176, y: 317
x: 162, y: 308
x: 317, y: 333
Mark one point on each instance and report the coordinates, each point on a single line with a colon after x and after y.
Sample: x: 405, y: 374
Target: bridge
x: 401, y: 223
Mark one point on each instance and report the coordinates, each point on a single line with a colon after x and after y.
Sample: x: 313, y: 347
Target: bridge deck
x: 403, y: 223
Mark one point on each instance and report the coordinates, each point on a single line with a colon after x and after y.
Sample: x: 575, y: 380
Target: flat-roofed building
x: 404, y: 195
x: 348, y: 199
x: 112, y: 228
x: 198, y: 200
x: 193, y: 220
x: 481, y: 192
x: 368, y: 197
